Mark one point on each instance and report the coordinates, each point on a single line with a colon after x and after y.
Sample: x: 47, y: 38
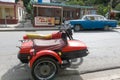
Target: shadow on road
x: 18, y: 72
x: 22, y: 72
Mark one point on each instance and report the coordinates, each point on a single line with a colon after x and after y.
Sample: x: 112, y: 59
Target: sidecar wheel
x: 76, y: 62
x: 44, y: 69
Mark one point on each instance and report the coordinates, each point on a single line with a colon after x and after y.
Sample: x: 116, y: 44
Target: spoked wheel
x: 44, y: 69
x: 77, y: 28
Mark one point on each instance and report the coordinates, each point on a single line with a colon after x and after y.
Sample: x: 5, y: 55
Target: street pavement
x: 27, y: 26
x: 112, y: 74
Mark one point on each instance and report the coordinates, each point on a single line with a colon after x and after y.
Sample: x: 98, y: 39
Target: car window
x: 94, y: 18
x: 86, y: 18
x: 89, y: 18
x: 99, y: 18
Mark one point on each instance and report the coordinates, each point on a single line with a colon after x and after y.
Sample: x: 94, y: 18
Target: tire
x: 44, y: 69
x: 77, y: 28
x: 106, y: 28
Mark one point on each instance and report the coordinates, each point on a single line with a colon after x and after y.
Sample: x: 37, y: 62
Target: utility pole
x: 110, y: 7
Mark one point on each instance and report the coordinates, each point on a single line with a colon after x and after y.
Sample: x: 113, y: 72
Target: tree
x: 27, y: 5
x: 117, y: 7
x: 75, y: 2
x: 115, y: 3
x: 25, y: 2
x: 102, y: 10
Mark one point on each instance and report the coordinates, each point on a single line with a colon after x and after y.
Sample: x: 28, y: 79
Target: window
x: 9, y: 13
x: 49, y: 12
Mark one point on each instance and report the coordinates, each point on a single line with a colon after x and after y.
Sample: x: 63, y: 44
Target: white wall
x: 20, y: 14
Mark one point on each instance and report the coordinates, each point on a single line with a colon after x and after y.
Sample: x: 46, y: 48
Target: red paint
x: 45, y: 53
x: 74, y: 45
x: 26, y: 47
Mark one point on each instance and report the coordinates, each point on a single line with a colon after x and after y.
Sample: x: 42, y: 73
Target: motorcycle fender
x: 45, y: 53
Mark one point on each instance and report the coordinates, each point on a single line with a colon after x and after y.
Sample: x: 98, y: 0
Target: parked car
x: 92, y: 22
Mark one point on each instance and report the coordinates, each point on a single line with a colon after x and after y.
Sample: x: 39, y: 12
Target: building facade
x: 50, y: 14
x: 10, y: 13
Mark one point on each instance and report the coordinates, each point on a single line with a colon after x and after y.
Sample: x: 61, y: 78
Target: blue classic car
x: 92, y: 22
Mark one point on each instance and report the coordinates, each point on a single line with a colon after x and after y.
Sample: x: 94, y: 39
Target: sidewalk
x: 113, y: 74
x: 27, y: 26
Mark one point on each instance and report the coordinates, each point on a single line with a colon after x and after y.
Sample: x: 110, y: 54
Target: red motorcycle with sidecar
x: 46, y: 54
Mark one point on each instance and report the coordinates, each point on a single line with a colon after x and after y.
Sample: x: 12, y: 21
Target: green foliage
x: 29, y: 8
x: 119, y: 23
x: 89, y: 2
x: 75, y: 2
x: 117, y: 7
x: 102, y: 10
x: 102, y: 5
x: 118, y: 14
x: 26, y: 2
x: 16, y: 1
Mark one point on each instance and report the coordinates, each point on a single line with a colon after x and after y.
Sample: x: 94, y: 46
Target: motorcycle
x: 46, y: 54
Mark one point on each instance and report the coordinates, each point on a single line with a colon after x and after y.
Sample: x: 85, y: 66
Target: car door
x: 88, y: 23
x: 98, y: 22
x: 92, y: 22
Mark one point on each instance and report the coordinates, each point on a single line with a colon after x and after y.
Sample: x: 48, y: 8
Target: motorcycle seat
x: 38, y: 36
x: 52, y: 44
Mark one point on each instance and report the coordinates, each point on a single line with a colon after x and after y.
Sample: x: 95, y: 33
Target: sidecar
x: 47, y: 54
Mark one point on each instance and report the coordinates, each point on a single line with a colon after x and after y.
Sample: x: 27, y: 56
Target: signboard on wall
x: 44, y: 21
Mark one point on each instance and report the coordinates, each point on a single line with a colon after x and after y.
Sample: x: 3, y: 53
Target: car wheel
x: 77, y: 28
x: 106, y: 28
x: 44, y: 69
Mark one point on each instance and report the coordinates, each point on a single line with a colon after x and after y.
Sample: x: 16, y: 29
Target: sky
x: 8, y: 0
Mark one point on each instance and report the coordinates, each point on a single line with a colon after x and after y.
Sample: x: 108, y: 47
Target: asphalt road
x: 104, y: 47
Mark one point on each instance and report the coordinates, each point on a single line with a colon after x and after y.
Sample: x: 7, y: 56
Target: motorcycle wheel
x: 44, y: 69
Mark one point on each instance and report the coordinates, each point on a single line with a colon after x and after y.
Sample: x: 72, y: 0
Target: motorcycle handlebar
x: 65, y: 28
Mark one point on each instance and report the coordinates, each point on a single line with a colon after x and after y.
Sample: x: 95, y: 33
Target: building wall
x: 59, y: 12
x: 10, y: 13
x: 20, y: 14
x: 71, y: 13
x: 0, y: 13
x: 7, y: 13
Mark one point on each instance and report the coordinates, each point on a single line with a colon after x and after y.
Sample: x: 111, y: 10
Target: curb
x: 33, y: 29
x: 113, y: 74
x: 28, y: 29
